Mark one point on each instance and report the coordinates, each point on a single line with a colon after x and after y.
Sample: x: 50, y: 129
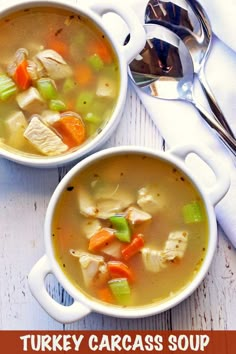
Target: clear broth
x: 133, y: 172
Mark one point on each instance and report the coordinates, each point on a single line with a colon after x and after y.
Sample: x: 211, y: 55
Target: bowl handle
x: 61, y: 313
x: 218, y: 190
x: 136, y: 30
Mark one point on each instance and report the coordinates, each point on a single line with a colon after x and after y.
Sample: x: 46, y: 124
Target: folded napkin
x: 179, y: 122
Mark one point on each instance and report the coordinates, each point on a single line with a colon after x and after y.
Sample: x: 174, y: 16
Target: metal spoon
x: 164, y: 69
x: 189, y: 21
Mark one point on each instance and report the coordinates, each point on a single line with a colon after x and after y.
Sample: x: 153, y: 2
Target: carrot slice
x: 133, y: 247
x: 100, y: 239
x: 119, y: 269
x: 104, y: 294
x: 71, y: 129
x: 83, y: 74
x: 59, y: 46
x: 21, y: 76
x: 100, y: 48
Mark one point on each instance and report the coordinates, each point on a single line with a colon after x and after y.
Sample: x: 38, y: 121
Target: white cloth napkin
x: 179, y: 122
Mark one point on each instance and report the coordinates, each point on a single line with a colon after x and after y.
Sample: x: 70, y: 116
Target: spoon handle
x: 223, y: 134
x: 213, y: 104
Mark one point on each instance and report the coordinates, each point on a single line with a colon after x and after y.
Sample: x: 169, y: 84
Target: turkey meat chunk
x: 90, y: 227
x: 55, y: 66
x: 175, y: 245
x: 93, y: 267
x: 153, y: 260
x: 43, y: 138
x: 150, y: 199
x: 103, y: 202
x: 136, y: 215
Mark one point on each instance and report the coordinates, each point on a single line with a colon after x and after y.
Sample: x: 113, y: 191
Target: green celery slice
x: 47, y: 88
x: 193, y: 213
x: 57, y: 105
x: 84, y: 101
x: 122, y: 228
x: 68, y: 85
x: 96, y: 62
x: 7, y: 87
x: 92, y: 118
x: 121, y: 290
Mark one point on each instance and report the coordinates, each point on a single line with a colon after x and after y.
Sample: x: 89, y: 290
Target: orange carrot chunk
x: 21, y: 76
x: 104, y: 294
x: 100, y: 239
x: 83, y: 74
x: 133, y: 247
x: 59, y: 46
x: 119, y: 269
x: 100, y: 48
x: 71, y: 129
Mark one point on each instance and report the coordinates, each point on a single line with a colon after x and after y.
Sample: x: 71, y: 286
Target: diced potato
x: 113, y: 249
x: 30, y: 101
x: 16, y: 124
x: 16, y: 139
x: 153, y: 260
x: 136, y: 215
x: 150, y: 199
x: 43, y: 138
x: 176, y: 245
x: 50, y: 117
x: 15, y: 121
x: 106, y: 88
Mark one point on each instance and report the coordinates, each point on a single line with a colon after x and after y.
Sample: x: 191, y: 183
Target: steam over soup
x: 59, y: 81
x: 130, y: 230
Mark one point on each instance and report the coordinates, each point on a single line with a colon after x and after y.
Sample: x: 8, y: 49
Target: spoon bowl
x: 190, y: 22
x: 164, y: 69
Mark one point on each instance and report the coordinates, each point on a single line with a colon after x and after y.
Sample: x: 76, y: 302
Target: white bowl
x: 84, y: 304
x: 124, y: 54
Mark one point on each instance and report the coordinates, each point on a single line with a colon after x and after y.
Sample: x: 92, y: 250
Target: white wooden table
x: 24, y: 196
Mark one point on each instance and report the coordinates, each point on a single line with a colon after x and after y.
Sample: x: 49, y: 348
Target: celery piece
x: 120, y: 224
x: 84, y: 101
x: 79, y: 38
x: 47, y: 88
x: 57, y: 105
x: 7, y: 87
x: 92, y: 118
x: 121, y: 290
x: 192, y: 213
x: 68, y: 85
x: 96, y: 62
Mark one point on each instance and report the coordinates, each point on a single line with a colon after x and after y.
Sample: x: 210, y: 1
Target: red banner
x: 86, y: 342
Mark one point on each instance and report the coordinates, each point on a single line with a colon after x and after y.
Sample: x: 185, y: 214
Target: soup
x: 130, y: 230
x: 59, y: 81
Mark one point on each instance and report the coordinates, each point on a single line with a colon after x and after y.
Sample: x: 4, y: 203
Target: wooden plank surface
x: 24, y: 196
